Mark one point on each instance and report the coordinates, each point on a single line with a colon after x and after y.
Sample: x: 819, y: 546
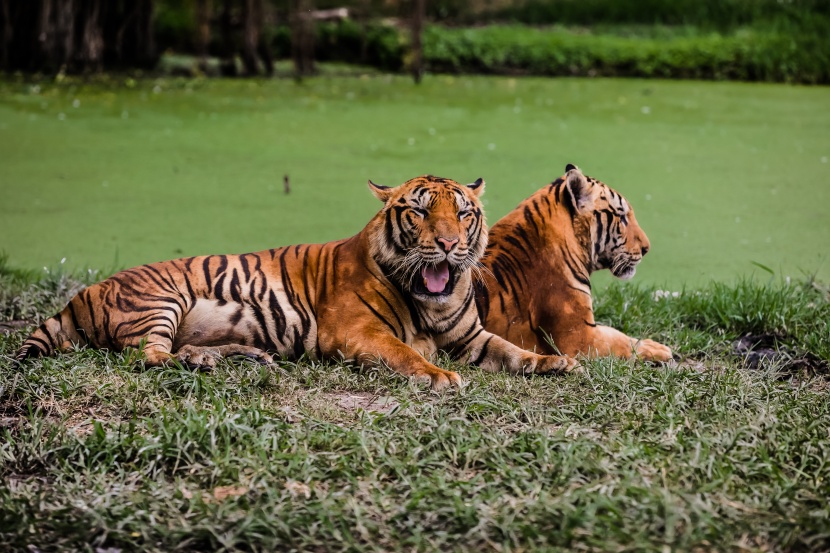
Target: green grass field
x: 726, y: 450
x: 97, y: 454
x: 107, y: 175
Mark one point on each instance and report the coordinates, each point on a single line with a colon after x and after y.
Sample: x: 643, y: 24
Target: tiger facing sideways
x: 393, y: 294
x: 539, y: 259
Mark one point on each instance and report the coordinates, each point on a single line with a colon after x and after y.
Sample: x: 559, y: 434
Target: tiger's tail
x: 58, y: 333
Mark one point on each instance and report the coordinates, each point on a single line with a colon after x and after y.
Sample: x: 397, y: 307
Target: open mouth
x: 434, y: 280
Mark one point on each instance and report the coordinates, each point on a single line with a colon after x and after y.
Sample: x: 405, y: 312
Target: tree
x: 302, y: 38
x: 76, y: 36
x: 417, y: 67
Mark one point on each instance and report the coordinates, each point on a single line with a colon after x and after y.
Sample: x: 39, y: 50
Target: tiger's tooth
x: 426, y: 283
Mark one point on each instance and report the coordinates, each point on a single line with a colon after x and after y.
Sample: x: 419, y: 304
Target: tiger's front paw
x: 649, y: 350
x: 556, y: 364
x: 440, y: 379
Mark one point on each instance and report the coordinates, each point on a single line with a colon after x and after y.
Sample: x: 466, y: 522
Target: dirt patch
x: 364, y: 401
x: 757, y: 350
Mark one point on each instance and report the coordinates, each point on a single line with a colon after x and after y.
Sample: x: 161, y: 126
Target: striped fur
x: 366, y: 299
x: 540, y: 258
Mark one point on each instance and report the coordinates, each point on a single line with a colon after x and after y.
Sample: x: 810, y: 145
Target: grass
x: 722, y: 175
x: 708, y: 455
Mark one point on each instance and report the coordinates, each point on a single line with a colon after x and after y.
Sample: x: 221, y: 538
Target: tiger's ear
x: 579, y: 186
x: 382, y: 193
x: 477, y: 187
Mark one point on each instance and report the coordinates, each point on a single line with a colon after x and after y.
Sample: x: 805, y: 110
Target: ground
x: 716, y: 452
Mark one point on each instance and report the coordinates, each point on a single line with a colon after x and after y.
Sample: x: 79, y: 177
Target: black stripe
x: 555, y: 184
x: 394, y: 312
x: 245, y: 269
x: 235, y: 287
x: 482, y: 355
x: 529, y: 219
x: 377, y: 314
x: 567, y: 200
x: 208, y: 275
x: 279, y: 320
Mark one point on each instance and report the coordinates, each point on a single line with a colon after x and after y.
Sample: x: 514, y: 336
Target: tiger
x: 535, y: 290
x: 392, y: 295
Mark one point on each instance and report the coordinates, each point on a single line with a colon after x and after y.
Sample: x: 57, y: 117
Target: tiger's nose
x: 446, y: 243
x: 644, y: 250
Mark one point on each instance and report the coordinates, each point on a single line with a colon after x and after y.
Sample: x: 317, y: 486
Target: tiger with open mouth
x: 394, y: 294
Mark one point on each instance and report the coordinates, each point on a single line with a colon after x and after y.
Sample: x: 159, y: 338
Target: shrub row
x: 782, y: 54
x: 721, y: 14
x: 748, y: 54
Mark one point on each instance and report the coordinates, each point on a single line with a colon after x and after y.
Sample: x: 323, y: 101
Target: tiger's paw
x: 198, y: 357
x: 440, y: 379
x: 556, y: 364
x: 649, y: 350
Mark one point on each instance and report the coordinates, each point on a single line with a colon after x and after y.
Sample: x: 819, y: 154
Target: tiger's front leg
x: 610, y: 341
x: 492, y: 353
x: 382, y: 348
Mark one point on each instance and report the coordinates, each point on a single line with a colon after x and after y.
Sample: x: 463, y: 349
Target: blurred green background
x: 118, y: 172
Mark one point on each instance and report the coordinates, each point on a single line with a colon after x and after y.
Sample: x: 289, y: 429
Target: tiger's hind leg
x: 207, y: 356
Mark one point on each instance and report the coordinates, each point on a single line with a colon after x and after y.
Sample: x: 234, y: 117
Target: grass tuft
x: 99, y: 452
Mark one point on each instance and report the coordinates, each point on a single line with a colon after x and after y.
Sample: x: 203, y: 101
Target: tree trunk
x: 264, y: 48
x: 417, y: 45
x: 302, y: 39
x: 203, y: 13
x: 250, y: 36
x: 146, y: 54
x: 228, y: 66
x: 92, y: 40
x: 65, y: 33
x: 8, y: 34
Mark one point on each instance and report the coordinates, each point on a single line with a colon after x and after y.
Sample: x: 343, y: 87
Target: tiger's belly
x: 215, y: 323
x: 212, y: 322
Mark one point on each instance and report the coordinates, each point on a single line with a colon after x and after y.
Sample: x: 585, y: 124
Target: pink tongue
x: 436, y: 276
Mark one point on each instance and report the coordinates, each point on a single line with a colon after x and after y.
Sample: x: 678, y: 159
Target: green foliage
x: 722, y: 14
x: 98, y: 452
x: 797, y: 314
x: 784, y: 51
x: 175, y: 24
x: 749, y: 54
x: 377, y: 45
x: 348, y: 41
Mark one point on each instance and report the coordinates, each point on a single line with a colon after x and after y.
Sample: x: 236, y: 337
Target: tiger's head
x: 428, y: 235
x: 616, y: 240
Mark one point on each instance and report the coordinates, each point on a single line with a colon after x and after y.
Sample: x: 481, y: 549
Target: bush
x: 721, y: 14
x: 749, y: 54
x: 347, y: 41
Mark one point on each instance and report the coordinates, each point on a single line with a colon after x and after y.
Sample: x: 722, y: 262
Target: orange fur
x: 393, y: 294
x: 536, y: 282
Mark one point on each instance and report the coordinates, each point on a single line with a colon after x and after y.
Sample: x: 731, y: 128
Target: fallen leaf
x: 224, y: 492
x: 297, y: 489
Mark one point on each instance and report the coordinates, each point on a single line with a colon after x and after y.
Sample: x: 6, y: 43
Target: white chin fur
x: 627, y: 274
